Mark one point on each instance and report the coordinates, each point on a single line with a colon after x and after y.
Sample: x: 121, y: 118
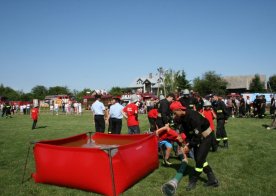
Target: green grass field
x: 248, y: 167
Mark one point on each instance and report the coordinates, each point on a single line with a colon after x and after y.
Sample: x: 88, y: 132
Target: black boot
x: 212, y: 181
x: 192, y: 181
x: 225, y: 143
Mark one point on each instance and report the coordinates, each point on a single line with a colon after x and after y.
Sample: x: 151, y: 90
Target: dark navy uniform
x: 164, y: 113
x: 222, y: 115
x: 198, y: 132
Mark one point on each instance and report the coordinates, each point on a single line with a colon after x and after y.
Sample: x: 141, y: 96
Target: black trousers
x: 115, y: 125
x: 221, y: 132
x: 99, y: 123
x: 152, y: 122
x: 201, y: 153
x: 34, y: 124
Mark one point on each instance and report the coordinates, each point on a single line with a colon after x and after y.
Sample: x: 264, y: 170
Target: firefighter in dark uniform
x: 222, y: 116
x: 164, y: 113
x: 8, y: 110
x: 199, y: 137
x: 187, y: 100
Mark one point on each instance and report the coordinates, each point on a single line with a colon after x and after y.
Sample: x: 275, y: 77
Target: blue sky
x: 100, y: 44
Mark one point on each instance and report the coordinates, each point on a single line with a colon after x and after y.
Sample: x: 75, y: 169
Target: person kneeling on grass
x: 166, y: 137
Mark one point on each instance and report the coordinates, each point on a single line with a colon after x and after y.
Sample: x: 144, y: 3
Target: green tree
x: 39, y: 92
x: 210, y: 83
x: 116, y: 91
x: 169, y: 81
x: 256, y: 85
x: 181, y: 81
x: 26, y: 96
x: 175, y: 81
x: 9, y: 93
x: 79, y: 94
x: 59, y: 90
x: 271, y: 84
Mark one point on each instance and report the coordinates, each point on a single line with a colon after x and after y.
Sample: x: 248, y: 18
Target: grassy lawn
x: 248, y: 167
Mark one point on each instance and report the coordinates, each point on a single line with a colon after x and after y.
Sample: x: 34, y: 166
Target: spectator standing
x: 272, y: 105
x: 164, y: 113
x: 210, y: 115
x: 130, y: 112
x: 247, y: 106
x: 263, y: 106
x: 98, y: 111
x: 34, y: 115
x: 115, y: 116
x: 152, y: 116
x: 222, y: 117
x: 242, y: 107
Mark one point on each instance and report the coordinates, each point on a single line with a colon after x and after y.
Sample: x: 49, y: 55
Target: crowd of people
x: 183, y: 124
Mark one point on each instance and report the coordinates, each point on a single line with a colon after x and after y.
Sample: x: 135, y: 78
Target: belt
x: 206, y: 132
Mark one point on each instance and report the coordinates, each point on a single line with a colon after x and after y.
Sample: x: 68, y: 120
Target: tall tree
x: 39, y: 92
x: 116, y: 91
x: 181, y: 81
x: 271, y: 84
x: 210, y: 83
x: 59, y: 90
x: 256, y: 85
x: 175, y: 81
x: 9, y: 93
x: 79, y: 94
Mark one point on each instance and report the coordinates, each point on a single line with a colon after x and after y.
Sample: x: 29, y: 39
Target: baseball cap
x: 176, y: 105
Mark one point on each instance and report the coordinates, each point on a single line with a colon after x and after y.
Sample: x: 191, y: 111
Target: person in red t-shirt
x: 166, y: 137
x: 34, y: 116
x: 130, y: 112
x: 209, y: 113
x: 152, y: 116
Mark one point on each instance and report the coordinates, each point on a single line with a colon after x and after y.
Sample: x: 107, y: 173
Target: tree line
x: 174, y: 81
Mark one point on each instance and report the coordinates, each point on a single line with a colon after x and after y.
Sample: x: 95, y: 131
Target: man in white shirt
x: 98, y: 111
x: 115, y: 116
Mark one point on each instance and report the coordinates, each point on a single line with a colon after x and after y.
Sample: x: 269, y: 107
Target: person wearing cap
x: 209, y: 113
x: 98, y: 110
x: 130, y: 112
x: 222, y: 116
x: 115, y: 116
x: 34, y: 115
x: 166, y: 137
x: 164, y: 113
x: 198, y: 132
x: 187, y: 100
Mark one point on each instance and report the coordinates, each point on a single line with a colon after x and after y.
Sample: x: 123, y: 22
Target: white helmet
x: 207, y: 104
x: 134, y: 98
x: 186, y: 92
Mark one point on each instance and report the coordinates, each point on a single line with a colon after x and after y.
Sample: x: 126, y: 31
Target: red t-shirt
x: 34, y: 113
x: 132, y: 113
x: 209, y: 116
x: 171, y: 135
x: 153, y: 113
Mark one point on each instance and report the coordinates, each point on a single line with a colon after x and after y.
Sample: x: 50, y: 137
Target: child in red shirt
x: 152, y: 116
x: 210, y: 115
x: 34, y: 116
x: 167, y: 136
x: 130, y: 112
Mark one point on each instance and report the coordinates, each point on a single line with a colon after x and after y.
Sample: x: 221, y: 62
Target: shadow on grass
x: 41, y: 127
x: 265, y: 125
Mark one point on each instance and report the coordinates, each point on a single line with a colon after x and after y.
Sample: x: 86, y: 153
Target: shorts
x: 166, y: 143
